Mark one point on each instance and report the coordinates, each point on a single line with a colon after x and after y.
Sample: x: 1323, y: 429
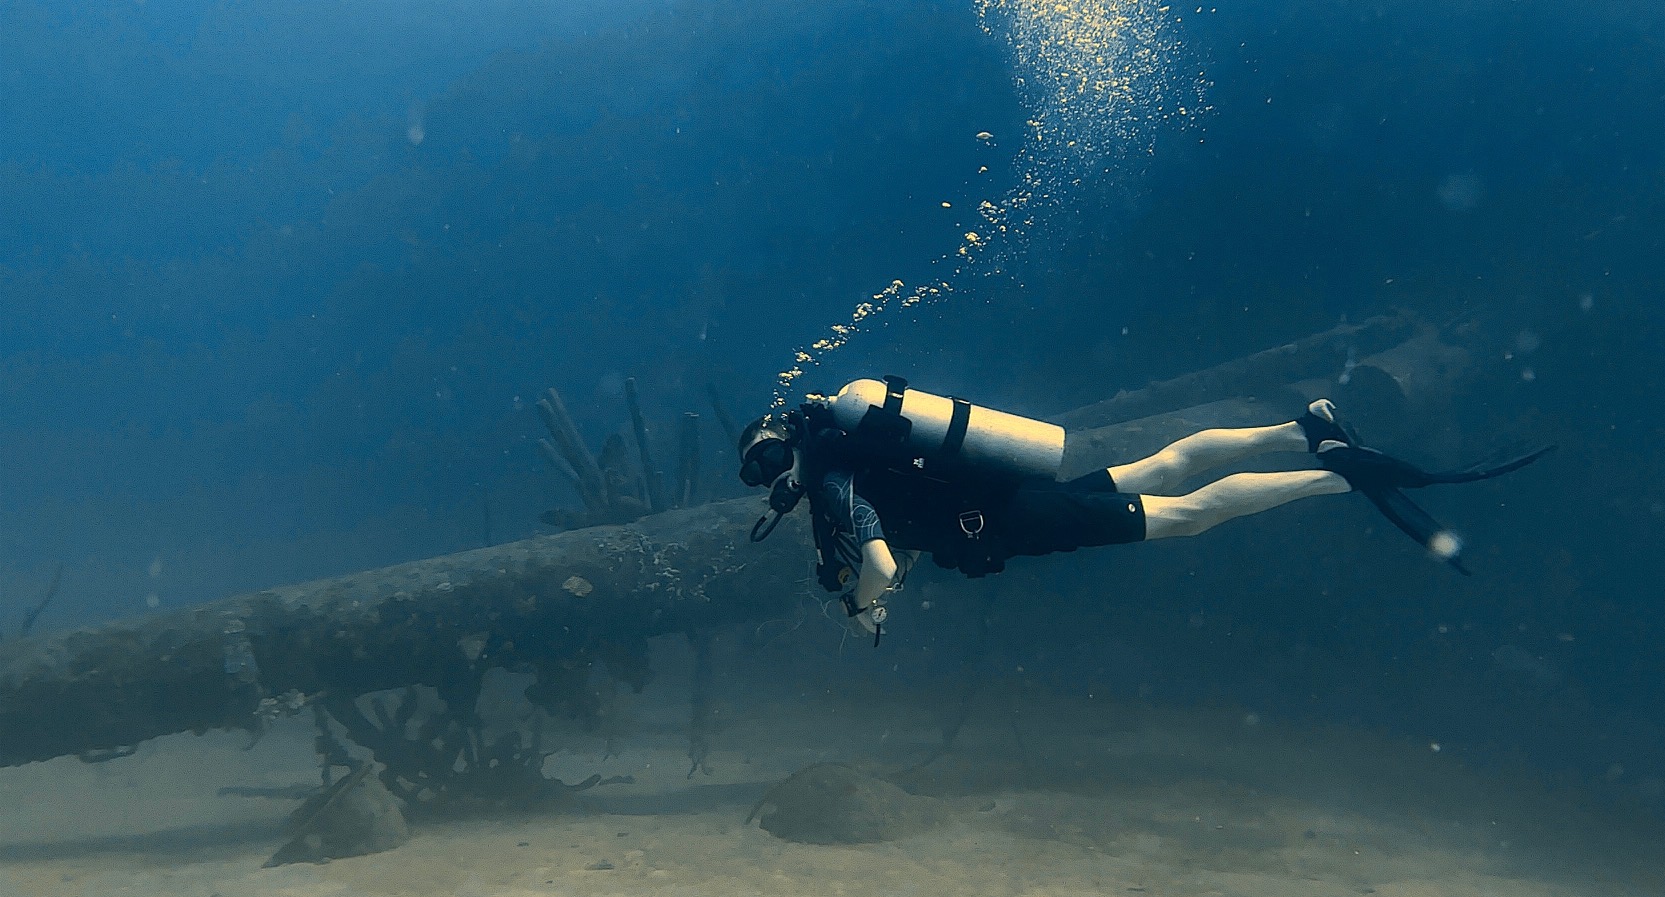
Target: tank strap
x: 894, y: 388
x: 958, y: 421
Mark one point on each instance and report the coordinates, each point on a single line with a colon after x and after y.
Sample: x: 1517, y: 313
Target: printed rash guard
x: 855, y: 522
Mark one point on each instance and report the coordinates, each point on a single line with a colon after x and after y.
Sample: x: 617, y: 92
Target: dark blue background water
x: 256, y: 331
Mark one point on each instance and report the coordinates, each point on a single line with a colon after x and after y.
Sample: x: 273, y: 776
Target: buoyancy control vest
x: 936, y: 468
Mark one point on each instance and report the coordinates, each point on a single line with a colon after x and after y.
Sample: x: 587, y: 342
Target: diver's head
x: 765, y: 450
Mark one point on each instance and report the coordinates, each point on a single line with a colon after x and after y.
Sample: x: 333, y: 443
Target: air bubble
x: 1097, y: 76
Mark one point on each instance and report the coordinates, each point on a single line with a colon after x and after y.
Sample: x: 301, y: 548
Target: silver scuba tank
x: 950, y: 430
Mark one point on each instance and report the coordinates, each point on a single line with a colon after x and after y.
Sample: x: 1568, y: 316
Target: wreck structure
x: 559, y: 607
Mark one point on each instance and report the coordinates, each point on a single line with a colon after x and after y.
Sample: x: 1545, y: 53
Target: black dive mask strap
x: 783, y: 497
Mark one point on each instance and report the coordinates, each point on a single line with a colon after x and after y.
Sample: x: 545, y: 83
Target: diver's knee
x: 1174, y: 517
x: 1164, y: 470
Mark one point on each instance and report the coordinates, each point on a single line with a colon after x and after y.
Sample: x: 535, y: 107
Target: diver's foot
x: 1320, y: 426
x: 1366, y: 469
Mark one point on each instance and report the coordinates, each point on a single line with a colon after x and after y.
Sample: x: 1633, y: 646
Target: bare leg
x: 1163, y: 472
x: 1238, y: 495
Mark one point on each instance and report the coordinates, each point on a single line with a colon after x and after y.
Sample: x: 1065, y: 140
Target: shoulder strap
x: 882, y: 427
x: 829, y: 572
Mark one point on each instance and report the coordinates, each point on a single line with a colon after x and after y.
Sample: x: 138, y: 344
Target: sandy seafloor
x: 1046, y: 795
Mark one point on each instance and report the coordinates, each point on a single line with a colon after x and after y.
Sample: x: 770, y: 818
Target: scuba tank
x: 948, y: 432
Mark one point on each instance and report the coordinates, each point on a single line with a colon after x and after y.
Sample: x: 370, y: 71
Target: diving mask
x: 765, y: 461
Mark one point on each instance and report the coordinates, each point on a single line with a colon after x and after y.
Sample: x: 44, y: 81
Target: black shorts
x: 1043, y: 518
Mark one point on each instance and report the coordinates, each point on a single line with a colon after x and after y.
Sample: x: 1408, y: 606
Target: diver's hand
x: 881, y: 573
x: 873, y: 617
x: 865, y: 621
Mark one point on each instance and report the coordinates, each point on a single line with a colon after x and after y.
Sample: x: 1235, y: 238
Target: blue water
x: 280, y: 285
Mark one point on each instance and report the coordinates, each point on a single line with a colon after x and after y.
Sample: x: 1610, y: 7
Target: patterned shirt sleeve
x: 851, y: 513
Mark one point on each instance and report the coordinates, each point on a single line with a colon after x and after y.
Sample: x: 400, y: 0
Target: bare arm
x: 878, y: 571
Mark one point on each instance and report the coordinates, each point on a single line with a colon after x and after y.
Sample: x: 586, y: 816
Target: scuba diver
x: 892, y: 472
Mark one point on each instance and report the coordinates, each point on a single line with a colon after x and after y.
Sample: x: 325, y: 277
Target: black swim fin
x: 1319, y: 430
x: 1367, y: 468
x: 1418, y: 524
x: 1380, y: 477
x: 1482, y: 472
